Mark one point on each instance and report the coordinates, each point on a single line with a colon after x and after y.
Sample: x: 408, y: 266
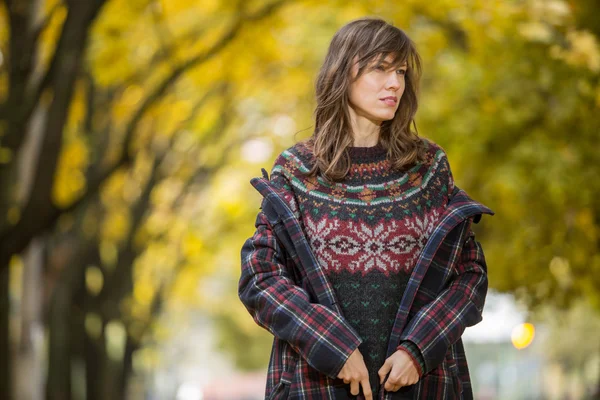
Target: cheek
x: 371, y: 88
x: 361, y: 91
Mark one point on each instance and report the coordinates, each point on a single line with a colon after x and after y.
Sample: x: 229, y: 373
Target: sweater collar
x: 367, y: 153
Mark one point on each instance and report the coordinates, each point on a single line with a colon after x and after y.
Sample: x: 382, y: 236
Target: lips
x: 390, y: 100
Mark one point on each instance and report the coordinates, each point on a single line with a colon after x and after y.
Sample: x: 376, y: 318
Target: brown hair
x: 369, y: 39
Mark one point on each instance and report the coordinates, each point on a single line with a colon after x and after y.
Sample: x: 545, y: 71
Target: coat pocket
x: 282, y: 389
x: 289, y: 361
x: 453, y: 369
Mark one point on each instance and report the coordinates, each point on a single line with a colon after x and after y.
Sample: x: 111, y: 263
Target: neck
x: 364, y: 131
x: 369, y: 141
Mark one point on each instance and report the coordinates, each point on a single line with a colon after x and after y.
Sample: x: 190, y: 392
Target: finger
x: 391, y: 385
x: 384, y: 370
x: 392, y: 380
x: 366, y: 386
x: 354, y: 388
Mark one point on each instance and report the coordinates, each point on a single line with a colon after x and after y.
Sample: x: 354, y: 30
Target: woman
x: 363, y: 265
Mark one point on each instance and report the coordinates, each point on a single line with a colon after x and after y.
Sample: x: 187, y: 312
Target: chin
x: 386, y: 117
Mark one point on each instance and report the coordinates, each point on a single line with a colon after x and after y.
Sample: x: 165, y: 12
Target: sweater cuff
x: 415, y: 354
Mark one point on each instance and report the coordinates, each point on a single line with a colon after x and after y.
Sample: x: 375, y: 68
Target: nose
x: 393, y: 81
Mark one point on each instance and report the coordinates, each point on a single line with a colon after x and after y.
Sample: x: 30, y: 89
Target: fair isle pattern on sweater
x: 367, y: 231
x: 357, y: 247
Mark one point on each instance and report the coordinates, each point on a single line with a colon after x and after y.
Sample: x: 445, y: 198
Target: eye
x: 403, y: 71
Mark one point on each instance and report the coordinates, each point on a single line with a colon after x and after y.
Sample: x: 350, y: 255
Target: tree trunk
x: 127, y: 367
x: 78, y: 335
x: 28, y: 365
x: 596, y: 395
x: 6, y: 348
x: 58, y: 383
x: 95, y: 362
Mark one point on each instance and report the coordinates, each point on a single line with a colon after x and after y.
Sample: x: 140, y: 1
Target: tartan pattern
x: 286, y: 292
x: 269, y: 292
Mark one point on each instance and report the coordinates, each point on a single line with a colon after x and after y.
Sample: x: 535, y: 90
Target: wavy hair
x: 371, y: 40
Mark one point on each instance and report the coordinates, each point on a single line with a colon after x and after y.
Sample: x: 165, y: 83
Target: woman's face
x: 368, y: 94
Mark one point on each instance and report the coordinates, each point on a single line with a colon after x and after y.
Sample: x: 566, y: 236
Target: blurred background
x: 129, y: 131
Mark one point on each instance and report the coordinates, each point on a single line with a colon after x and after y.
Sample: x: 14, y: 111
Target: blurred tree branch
x: 40, y: 213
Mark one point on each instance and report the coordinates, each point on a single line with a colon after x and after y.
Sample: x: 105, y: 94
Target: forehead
x: 390, y: 59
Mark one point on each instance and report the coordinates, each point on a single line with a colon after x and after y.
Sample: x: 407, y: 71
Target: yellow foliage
x: 560, y: 268
x: 143, y: 292
x: 51, y: 33
x: 536, y: 31
x: 586, y: 224
x: 124, y: 107
x: 16, y: 275
x: 108, y: 253
x: 13, y: 215
x: 5, y: 152
x: 185, y: 286
x: 4, y: 26
x: 116, y: 336
x: 113, y: 188
x: 89, y: 224
x: 116, y: 224
x: 93, y: 325
x: 172, y: 117
x: 94, y: 280
x: 70, y: 182
x: 123, y: 40
x: 146, y: 358
x: 584, y: 50
x: 551, y: 11
x: 226, y: 194
x: 77, y: 110
x: 192, y: 245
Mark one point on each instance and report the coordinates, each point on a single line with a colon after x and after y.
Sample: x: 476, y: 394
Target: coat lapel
x: 460, y: 208
x: 290, y: 232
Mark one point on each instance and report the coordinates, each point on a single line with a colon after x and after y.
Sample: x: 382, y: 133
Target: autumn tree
x: 72, y: 124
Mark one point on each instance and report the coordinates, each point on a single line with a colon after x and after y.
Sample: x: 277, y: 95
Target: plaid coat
x: 285, y: 290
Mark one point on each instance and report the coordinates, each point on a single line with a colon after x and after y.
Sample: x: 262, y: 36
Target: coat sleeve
x: 278, y: 304
x: 439, y: 324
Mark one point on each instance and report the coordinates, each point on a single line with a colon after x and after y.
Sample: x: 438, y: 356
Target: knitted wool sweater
x: 367, y: 232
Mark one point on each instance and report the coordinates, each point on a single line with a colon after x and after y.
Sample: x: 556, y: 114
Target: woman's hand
x: 402, y: 370
x: 355, y: 373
